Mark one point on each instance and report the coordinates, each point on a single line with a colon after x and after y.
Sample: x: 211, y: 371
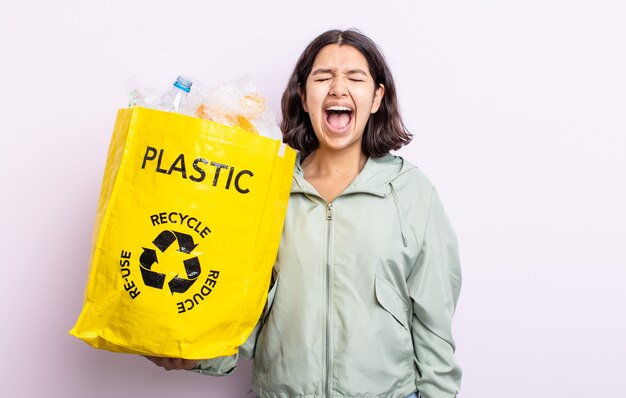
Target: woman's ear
x: 302, y: 95
x: 379, y: 93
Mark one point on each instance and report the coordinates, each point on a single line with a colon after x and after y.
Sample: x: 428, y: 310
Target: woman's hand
x: 173, y: 363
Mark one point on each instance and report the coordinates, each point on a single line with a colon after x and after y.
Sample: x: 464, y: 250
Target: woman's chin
x: 339, y: 141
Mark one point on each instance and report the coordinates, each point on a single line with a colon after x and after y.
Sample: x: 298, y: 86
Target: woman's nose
x: 338, y: 87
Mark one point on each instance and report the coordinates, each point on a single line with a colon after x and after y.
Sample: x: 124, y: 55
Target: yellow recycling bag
x: 186, y: 234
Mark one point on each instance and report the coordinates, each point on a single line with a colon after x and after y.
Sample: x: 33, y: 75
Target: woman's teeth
x: 337, y: 108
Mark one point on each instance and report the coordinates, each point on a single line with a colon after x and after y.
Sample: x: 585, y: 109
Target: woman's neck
x: 330, y: 173
x: 328, y: 164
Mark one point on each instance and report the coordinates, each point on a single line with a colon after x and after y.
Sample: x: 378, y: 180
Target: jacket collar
x: 374, y: 179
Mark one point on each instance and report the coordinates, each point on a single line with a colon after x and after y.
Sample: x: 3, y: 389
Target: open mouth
x: 338, y: 117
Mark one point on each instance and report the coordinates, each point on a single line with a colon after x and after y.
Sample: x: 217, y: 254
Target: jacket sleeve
x: 222, y: 366
x: 434, y: 285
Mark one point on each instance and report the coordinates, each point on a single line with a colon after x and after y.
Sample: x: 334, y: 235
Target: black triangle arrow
x: 185, y: 242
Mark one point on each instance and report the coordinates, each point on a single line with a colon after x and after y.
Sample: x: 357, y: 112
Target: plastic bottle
x: 174, y: 98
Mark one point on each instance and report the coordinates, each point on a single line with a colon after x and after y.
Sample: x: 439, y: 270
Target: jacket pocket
x: 391, y: 301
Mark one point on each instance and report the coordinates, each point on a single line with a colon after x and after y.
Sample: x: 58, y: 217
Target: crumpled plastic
x: 237, y: 103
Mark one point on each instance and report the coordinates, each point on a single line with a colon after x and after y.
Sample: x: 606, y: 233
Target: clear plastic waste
x: 236, y: 103
x: 173, y: 100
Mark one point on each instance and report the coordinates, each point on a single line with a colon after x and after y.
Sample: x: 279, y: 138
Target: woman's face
x: 340, y: 96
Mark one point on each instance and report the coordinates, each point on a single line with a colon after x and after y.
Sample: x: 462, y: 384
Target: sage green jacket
x: 364, y: 294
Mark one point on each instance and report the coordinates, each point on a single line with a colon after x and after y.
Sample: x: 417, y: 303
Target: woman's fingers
x: 172, y: 363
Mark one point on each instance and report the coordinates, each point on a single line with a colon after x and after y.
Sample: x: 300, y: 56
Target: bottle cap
x: 183, y: 84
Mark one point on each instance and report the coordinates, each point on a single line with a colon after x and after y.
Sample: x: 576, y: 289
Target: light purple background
x: 518, y: 110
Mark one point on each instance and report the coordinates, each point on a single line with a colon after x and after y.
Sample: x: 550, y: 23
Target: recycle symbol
x: 149, y: 257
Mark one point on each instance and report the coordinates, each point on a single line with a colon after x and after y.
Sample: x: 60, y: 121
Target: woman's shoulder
x: 410, y: 178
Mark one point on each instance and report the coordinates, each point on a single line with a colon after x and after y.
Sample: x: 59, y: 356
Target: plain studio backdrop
x: 518, y: 111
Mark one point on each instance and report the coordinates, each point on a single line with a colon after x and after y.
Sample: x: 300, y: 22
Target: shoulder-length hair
x: 384, y: 131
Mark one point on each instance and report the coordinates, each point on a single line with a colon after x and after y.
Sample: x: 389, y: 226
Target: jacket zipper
x: 329, y: 218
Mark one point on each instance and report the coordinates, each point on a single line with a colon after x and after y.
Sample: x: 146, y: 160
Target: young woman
x: 367, y: 275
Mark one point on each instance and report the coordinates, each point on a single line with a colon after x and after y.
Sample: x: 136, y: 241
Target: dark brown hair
x: 384, y: 130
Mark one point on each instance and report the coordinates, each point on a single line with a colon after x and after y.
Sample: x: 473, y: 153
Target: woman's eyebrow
x: 356, y: 71
x: 321, y: 71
